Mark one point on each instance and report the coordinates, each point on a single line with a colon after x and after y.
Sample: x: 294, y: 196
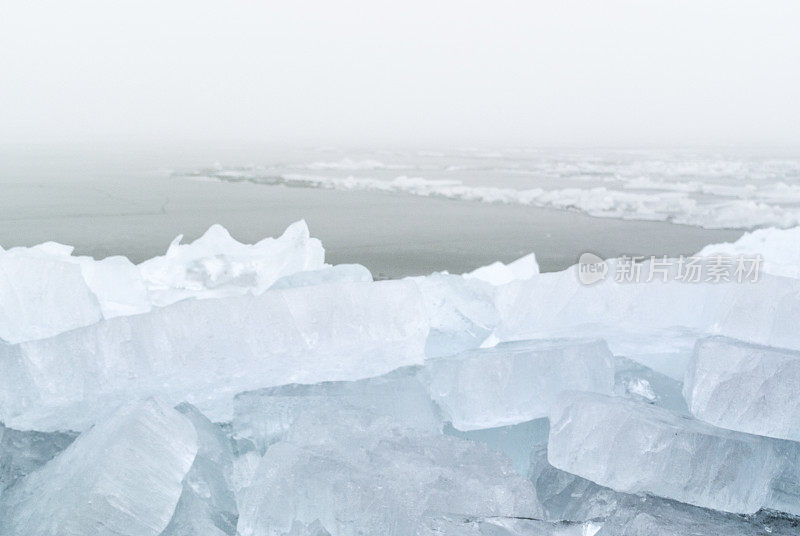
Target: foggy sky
x: 411, y: 72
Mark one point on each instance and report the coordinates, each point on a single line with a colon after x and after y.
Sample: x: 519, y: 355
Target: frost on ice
x: 226, y: 389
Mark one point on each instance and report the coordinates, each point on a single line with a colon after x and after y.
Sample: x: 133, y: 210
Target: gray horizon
x: 452, y: 73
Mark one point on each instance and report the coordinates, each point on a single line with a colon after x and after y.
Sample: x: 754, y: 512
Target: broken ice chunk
x: 461, y: 312
x: 570, y: 497
x: 245, y: 465
x: 514, y: 441
x: 740, y: 386
x: 264, y: 416
x: 44, y: 291
x: 634, y: 447
x: 313, y: 529
x: 453, y: 525
x: 653, y: 516
x: 566, y: 496
x: 361, y: 474
x: 216, y: 265
x: 558, y: 301
x: 778, y: 248
x: 516, y: 382
x: 117, y: 284
x: 634, y: 380
x: 22, y: 451
x: 498, y: 273
x: 763, y: 312
x: 122, y: 477
x: 207, y: 504
x: 766, y: 312
x: 339, y: 273
x: 41, y: 296
x: 206, y: 351
x: 666, y: 351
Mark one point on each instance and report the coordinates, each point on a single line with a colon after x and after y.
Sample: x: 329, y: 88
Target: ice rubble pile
x: 44, y: 290
x: 227, y: 389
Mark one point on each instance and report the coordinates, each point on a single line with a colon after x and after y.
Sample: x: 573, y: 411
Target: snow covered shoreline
x: 318, y: 377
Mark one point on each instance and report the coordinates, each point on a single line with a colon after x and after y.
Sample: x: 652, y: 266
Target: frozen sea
x: 398, y: 212
x: 275, y: 389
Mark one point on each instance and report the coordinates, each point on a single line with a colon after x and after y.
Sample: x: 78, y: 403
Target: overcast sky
x: 494, y: 72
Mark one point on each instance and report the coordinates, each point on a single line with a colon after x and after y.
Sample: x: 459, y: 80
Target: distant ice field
x: 716, y: 189
x: 131, y: 200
